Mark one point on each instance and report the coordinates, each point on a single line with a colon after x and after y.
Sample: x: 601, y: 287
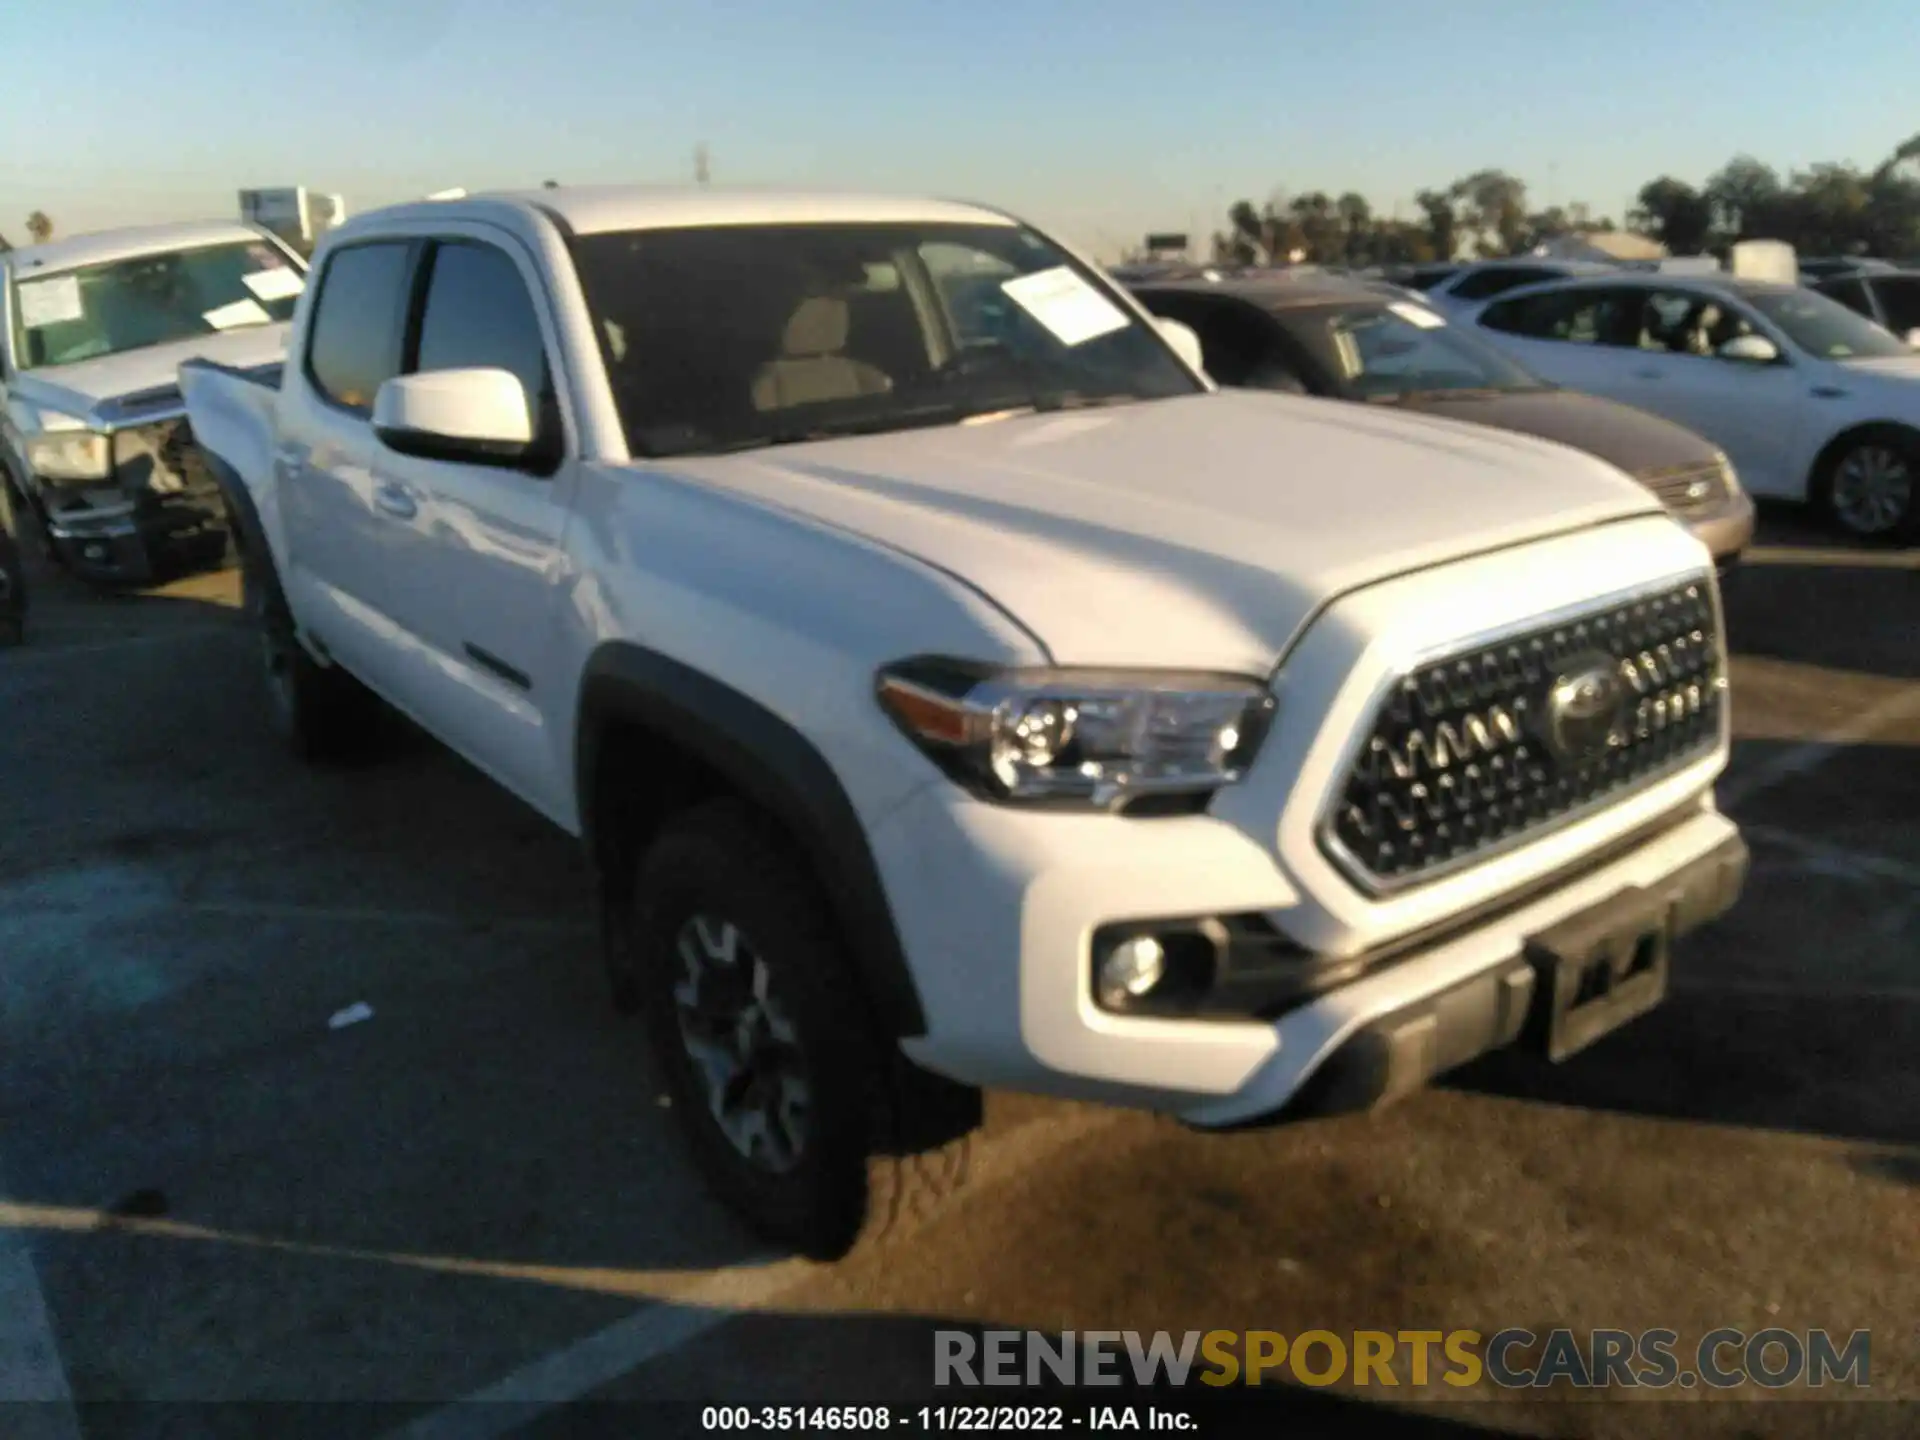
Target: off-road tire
x: 320, y: 712
x: 877, y: 1150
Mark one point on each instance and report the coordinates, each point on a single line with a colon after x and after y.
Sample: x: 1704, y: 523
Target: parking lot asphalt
x: 208, y: 1193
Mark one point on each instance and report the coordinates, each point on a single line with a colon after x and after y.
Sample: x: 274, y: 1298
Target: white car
x: 1813, y: 402
x: 951, y: 688
x: 1471, y: 286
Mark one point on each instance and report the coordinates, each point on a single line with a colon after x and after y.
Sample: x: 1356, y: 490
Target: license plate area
x: 1598, y: 969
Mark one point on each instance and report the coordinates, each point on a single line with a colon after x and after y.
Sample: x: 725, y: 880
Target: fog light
x: 1130, y: 970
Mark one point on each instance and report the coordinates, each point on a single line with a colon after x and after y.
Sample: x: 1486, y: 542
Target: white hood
x: 87, y: 387
x: 1201, y: 531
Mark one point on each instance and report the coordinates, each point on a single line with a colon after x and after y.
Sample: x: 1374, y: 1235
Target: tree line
x: 1828, y: 209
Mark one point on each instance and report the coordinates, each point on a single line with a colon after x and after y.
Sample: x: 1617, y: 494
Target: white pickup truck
x: 952, y: 688
x: 92, y: 331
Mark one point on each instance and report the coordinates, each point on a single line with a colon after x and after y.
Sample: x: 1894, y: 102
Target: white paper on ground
x: 1416, y: 315
x: 240, y: 312
x: 50, y: 301
x: 274, y: 284
x: 352, y: 1015
x: 1067, y: 305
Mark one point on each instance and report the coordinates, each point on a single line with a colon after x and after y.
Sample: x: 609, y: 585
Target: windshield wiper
x: 1073, y: 400
x: 911, y: 418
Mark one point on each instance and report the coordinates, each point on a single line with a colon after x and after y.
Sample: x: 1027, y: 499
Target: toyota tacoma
x: 953, y: 688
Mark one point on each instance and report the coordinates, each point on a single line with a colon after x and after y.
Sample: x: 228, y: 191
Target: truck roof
x: 104, y: 246
x: 596, y: 209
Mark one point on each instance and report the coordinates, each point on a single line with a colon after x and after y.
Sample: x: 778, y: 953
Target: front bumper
x: 1405, y: 1050
x: 140, y: 544
x: 1007, y: 977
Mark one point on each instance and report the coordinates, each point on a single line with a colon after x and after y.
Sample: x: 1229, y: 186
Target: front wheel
x: 780, y: 1079
x: 1869, y: 487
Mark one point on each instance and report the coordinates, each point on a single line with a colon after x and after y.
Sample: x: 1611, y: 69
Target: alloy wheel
x: 1873, y: 490
x: 742, y: 1044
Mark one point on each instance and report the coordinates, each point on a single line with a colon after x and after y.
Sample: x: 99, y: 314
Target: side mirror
x: 1752, y: 349
x: 479, y: 416
x: 1185, y: 343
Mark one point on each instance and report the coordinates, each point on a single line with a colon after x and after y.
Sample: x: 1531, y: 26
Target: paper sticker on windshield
x: 1415, y: 315
x: 52, y: 301
x: 274, y: 284
x: 240, y: 312
x: 1067, y: 305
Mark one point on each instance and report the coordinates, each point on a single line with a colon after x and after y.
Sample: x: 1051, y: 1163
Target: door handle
x: 395, y: 501
x: 1645, y: 374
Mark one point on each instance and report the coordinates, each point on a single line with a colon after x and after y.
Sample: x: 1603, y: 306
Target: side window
x: 1485, y: 284
x: 479, y: 314
x: 353, y: 343
x: 1900, y: 299
x: 1577, y: 317
x: 1680, y: 322
x: 1849, y: 292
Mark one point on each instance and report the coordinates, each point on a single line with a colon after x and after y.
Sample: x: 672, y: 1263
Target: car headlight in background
x: 69, y: 455
x: 1729, y: 477
x: 1092, y: 738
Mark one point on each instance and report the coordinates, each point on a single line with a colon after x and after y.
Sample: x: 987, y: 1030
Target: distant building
x: 1603, y: 246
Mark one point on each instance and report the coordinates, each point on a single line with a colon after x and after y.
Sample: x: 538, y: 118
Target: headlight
x: 69, y: 455
x: 1097, y: 738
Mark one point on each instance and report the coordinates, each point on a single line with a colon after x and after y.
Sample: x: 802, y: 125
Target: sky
x: 1100, y: 122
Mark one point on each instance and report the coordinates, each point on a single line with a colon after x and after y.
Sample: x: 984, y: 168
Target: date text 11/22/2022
x: 932, y: 1419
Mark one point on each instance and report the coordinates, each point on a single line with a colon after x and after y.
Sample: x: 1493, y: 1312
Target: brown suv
x: 1348, y: 340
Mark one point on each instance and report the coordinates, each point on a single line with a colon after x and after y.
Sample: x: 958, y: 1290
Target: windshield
x: 728, y: 337
x: 1824, y: 327
x: 1384, y: 352
x: 151, y: 300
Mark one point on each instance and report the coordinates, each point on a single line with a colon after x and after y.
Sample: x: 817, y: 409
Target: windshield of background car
x: 726, y: 337
x: 129, y: 304
x: 1379, y: 352
x: 1825, y: 327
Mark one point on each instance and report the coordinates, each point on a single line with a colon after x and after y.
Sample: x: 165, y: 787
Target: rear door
x: 473, y: 550
x: 338, y: 541
x: 1580, y: 337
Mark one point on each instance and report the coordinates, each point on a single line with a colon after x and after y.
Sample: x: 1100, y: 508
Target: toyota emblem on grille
x: 1697, y: 490
x: 1585, y: 707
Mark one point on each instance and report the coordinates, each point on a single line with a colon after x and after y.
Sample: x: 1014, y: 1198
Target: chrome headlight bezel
x: 1079, y: 738
x: 71, y: 456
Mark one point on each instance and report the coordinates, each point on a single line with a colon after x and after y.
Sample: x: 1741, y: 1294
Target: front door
x: 1752, y: 411
x: 476, y: 560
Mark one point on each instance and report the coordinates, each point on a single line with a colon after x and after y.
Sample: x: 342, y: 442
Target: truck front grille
x: 1479, y: 751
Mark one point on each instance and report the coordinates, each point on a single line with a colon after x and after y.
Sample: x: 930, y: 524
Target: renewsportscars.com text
x: 1512, y: 1358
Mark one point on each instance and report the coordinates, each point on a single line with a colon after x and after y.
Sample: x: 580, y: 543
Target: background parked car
x: 13, y: 580
x: 1813, y: 402
x: 1825, y: 267
x: 1888, y: 296
x: 1345, y: 340
x: 93, y: 435
x: 1475, y: 284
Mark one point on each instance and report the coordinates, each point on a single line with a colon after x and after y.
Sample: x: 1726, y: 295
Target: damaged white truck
x: 952, y: 688
x: 93, y: 443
